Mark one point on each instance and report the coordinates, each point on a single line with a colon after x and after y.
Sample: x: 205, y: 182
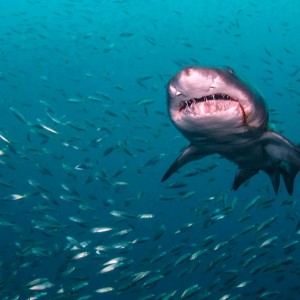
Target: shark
x: 220, y: 113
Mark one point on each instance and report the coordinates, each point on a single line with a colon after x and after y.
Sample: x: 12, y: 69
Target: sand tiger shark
x: 219, y: 113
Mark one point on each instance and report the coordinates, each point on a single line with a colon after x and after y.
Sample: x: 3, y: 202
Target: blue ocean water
x: 85, y: 138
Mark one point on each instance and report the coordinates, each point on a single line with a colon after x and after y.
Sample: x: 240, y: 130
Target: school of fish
x: 85, y: 137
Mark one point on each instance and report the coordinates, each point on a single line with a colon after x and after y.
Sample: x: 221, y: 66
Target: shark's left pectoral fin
x: 280, y: 148
x: 189, y: 154
x: 283, y: 150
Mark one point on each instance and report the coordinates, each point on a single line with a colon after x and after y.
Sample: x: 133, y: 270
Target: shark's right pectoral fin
x: 189, y: 154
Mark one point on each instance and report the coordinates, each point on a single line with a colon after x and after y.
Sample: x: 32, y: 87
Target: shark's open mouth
x: 211, y: 104
x: 190, y: 102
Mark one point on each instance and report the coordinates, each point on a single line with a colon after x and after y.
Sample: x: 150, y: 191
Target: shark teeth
x: 190, y: 102
x: 207, y: 105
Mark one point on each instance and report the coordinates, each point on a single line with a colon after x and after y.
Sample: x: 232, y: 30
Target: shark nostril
x: 188, y: 71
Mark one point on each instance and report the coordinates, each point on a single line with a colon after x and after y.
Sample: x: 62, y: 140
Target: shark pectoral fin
x: 189, y: 154
x: 241, y: 176
x: 288, y: 154
x: 281, y: 149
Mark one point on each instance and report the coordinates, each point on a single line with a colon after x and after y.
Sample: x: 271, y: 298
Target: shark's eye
x: 230, y: 70
x: 174, y: 92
